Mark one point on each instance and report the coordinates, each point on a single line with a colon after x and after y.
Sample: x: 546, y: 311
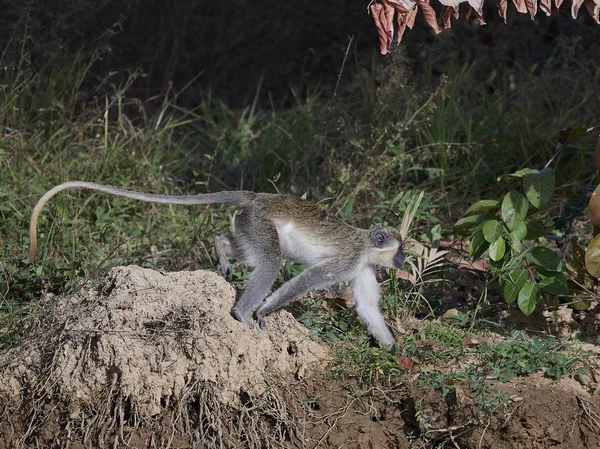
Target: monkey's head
x: 387, y: 248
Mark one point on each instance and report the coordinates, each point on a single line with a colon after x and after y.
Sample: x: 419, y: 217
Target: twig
x: 483, y: 433
x: 345, y: 412
x: 342, y: 68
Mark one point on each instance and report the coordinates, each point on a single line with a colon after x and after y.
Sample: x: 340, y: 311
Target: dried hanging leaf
x: 593, y: 8
x: 520, y: 5
x: 405, y: 20
x: 546, y: 6
x: 429, y: 14
x: 447, y: 13
x: 402, y: 6
x: 383, y: 13
x: 470, y: 10
x: 477, y: 6
x: 575, y: 8
x: 411, y: 16
x: 452, y: 3
x: 501, y: 5
x: 385, y: 28
x: 531, y: 7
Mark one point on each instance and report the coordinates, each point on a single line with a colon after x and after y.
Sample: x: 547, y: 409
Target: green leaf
x: 492, y: 229
x: 497, y: 249
x: 592, y: 257
x: 545, y: 258
x: 553, y: 282
x: 465, y: 224
x: 513, y: 284
x: 514, y: 177
x: 539, y: 187
x: 483, y: 207
x: 520, y: 232
x: 538, y: 228
x: 514, y: 209
x: 528, y: 297
x: 477, y: 245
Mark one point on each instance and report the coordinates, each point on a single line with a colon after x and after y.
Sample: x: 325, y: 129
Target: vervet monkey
x: 269, y: 225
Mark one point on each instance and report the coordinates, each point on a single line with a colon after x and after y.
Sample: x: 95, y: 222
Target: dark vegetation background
x: 195, y: 96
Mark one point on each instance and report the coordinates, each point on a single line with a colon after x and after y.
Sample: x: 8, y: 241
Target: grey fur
x: 269, y: 225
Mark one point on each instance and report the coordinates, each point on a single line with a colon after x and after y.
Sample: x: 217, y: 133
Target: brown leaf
x: 593, y: 8
x: 463, y: 262
x: 402, y: 6
x: 383, y: 15
x: 520, y: 5
x: 402, y: 274
x: 447, y: 13
x: 405, y: 361
x: 346, y: 295
x: 575, y: 7
x: 406, y: 10
x: 450, y: 313
x: 531, y: 7
x: 401, y: 28
x: 558, y: 3
x: 429, y: 14
x: 475, y: 6
x: 411, y: 16
x: 470, y: 342
x: 546, y: 6
x: 405, y: 20
x: 328, y: 294
x: 501, y: 5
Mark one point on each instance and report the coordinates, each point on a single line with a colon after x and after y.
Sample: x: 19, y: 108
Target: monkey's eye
x: 379, y: 240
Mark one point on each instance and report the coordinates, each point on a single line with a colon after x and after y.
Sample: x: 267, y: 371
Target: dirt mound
x: 148, y: 359
x: 144, y: 341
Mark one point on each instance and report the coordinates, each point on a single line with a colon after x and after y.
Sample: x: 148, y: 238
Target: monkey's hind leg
x: 224, y: 250
x: 314, y: 278
x: 258, y: 287
x: 258, y: 245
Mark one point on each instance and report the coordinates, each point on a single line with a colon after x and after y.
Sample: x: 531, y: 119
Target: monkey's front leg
x: 313, y: 278
x: 365, y: 291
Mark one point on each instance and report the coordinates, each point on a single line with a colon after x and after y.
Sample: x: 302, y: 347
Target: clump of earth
x: 144, y: 341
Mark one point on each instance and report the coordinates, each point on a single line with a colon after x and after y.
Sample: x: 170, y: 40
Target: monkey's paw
x: 262, y: 323
x: 242, y: 318
x: 226, y: 272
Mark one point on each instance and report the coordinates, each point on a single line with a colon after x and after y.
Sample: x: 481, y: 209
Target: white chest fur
x: 300, y: 246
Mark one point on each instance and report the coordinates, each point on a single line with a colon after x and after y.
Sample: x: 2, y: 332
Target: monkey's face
x: 387, y: 247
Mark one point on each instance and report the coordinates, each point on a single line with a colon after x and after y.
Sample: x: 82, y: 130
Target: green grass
x: 360, y: 156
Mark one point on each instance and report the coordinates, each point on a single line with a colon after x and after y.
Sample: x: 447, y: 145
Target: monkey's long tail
x: 240, y: 197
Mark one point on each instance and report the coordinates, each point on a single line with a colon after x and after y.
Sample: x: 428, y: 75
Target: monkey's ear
x: 379, y: 238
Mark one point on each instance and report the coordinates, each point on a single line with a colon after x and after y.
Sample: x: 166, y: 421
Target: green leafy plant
x: 522, y: 355
x: 509, y: 229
